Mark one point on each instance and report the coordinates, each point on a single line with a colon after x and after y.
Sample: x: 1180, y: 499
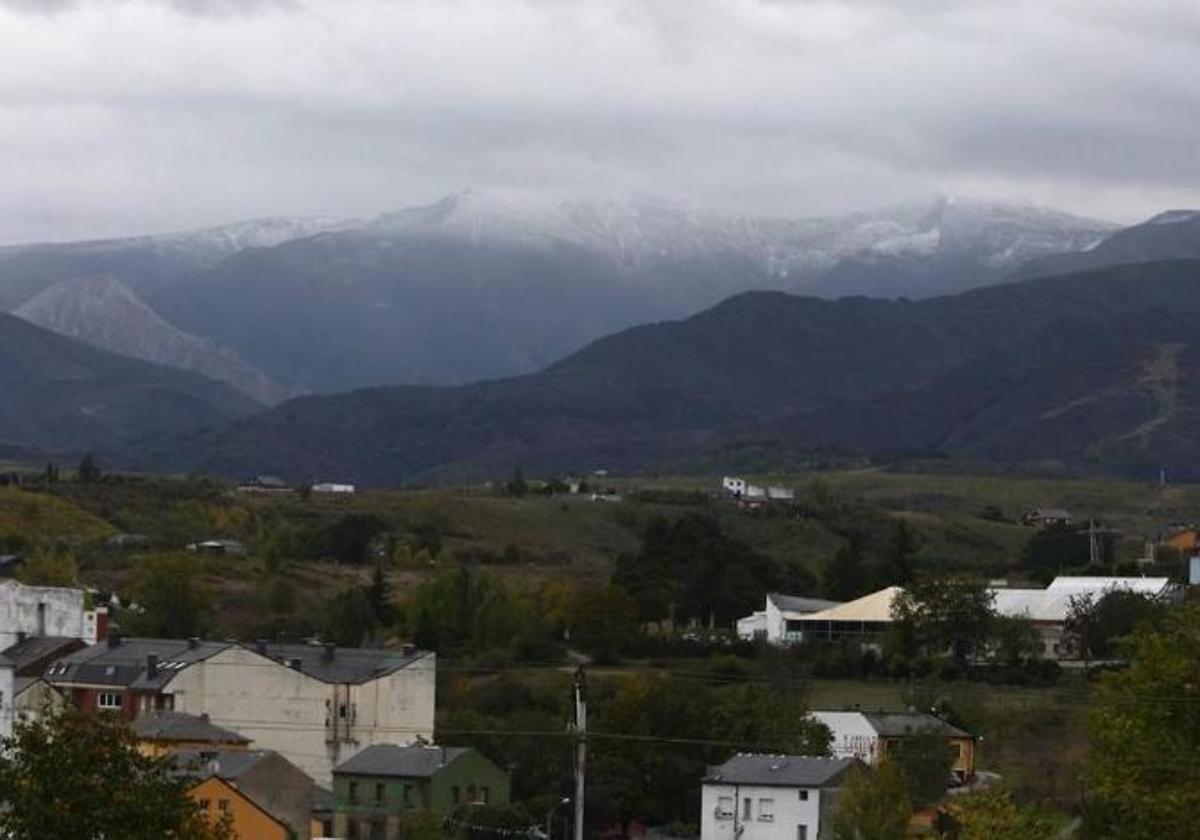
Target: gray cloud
x: 120, y: 116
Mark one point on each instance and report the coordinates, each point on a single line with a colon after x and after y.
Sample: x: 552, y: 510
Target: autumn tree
x: 873, y: 805
x: 77, y: 775
x: 924, y: 760
x: 994, y: 815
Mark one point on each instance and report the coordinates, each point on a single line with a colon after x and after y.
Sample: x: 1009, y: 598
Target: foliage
x: 50, y: 567
x: 602, y: 621
x: 1053, y: 550
x: 37, y: 516
x: 72, y: 774
x: 1015, y: 641
x: 994, y: 815
x: 349, y: 539
x: 89, y: 469
x: 924, y: 760
x: 174, y: 600
x: 873, y: 805
x: 350, y: 619
x: 845, y: 577
x: 1095, y: 626
x: 943, y: 614
x: 1141, y: 781
x: 898, y: 555
x: 690, y: 568
x: 517, y: 485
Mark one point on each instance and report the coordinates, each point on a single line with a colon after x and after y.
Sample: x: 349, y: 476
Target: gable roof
x: 797, y: 604
x: 179, y: 726
x: 33, y: 653
x: 408, y: 762
x: 780, y: 770
x: 899, y: 724
x: 229, y: 765
x: 122, y: 662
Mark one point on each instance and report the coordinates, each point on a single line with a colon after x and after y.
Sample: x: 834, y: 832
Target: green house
x: 372, y: 790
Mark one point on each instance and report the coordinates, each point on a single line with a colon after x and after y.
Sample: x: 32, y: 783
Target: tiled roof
x: 224, y: 764
x: 179, y: 726
x: 780, y: 770
x: 346, y: 665
x: 34, y: 649
x: 406, y: 762
x: 124, y: 663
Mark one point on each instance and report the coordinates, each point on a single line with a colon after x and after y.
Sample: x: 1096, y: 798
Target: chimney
x: 193, y: 642
x: 260, y: 646
x: 330, y: 651
x: 151, y: 666
x: 409, y: 649
x: 294, y: 663
x: 20, y: 635
x: 114, y: 637
x: 101, y: 623
x: 204, y: 716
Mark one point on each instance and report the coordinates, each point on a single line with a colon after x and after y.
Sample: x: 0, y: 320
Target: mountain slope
x: 1086, y: 369
x: 104, y: 313
x: 142, y: 262
x: 485, y: 284
x: 1172, y: 235
x: 61, y: 394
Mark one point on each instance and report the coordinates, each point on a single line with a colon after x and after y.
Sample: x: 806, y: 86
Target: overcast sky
x: 119, y: 116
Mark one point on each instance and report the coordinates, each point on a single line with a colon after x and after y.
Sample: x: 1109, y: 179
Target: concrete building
x: 868, y: 736
x: 46, y: 611
x: 373, y: 790
x: 7, y: 708
x: 778, y: 621
x: 316, y: 705
x: 772, y: 797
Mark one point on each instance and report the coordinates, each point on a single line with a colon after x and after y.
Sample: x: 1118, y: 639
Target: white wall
x: 788, y: 810
x: 776, y: 624
x: 752, y: 626
x: 62, y: 614
x: 853, y: 735
x: 6, y: 699
x: 285, y: 710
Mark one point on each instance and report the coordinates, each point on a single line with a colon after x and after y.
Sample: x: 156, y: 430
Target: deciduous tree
x: 874, y: 805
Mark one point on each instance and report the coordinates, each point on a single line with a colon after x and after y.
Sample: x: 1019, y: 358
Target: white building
x: 44, y: 611
x: 316, y: 705
x: 778, y: 621
x: 772, y: 797
x: 7, y: 696
x: 332, y: 487
x: 868, y: 736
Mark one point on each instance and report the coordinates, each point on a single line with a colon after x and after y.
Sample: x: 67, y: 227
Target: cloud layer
x: 120, y: 116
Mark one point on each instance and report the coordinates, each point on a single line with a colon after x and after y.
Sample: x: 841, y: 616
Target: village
x: 313, y: 739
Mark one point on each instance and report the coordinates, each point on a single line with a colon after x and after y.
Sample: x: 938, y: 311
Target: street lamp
x: 550, y: 816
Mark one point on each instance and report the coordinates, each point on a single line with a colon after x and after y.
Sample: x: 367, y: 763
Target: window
x: 455, y: 795
x: 746, y: 804
x: 724, y: 807
x: 108, y: 700
x: 222, y: 804
x: 205, y: 804
x: 471, y: 794
x: 408, y: 796
x: 766, y: 810
x: 354, y: 791
x: 803, y: 796
x: 484, y: 795
x: 379, y: 791
x: 801, y: 832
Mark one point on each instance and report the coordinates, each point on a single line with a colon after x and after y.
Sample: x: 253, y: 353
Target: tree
x: 898, y: 555
x: 1095, y: 626
x: 350, y: 620
x: 1140, y: 780
x: 174, y: 601
x: 1014, y: 641
x: 845, y: 578
x: 72, y: 774
x: 517, y: 485
x: 349, y: 538
x: 602, y: 620
x: 50, y: 567
x: 945, y: 614
x: 379, y: 596
x: 89, y: 469
x: 924, y: 760
x: 994, y: 815
x: 873, y: 805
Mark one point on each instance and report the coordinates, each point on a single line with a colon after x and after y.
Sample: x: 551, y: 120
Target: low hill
x: 61, y: 394
x: 1086, y: 370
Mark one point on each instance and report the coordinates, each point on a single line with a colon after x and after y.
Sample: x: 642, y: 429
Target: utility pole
x: 580, y: 729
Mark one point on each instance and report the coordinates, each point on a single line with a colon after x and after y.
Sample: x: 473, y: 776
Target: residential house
x: 227, y: 548
x: 778, y: 621
x: 265, y: 484
x: 1047, y: 517
x: 264, y: 796
x: 333, y: 487
x: 47, y: 611
x: 374, y: 789
x: 772, y: 797
x: 161, y: 733
x: 870, y: 735
x: 317, y: 705
x: 1186, y: 541
x: 29, y: 695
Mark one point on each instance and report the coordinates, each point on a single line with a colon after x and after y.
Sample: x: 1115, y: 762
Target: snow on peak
x: 1175, y: 217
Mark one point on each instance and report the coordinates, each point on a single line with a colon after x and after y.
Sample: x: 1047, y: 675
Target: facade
x: 1047, y: 517
x: 7, y: 698
x: 166, y: 733
x: 264, y: 795
x: 868, y: 736
x: 373, y: 790
x: 772, y: 797
x: 23, y: 694
x: 316, y: 705
x: 46, y: 611
x: 779, y: 621
x: 862, y: 619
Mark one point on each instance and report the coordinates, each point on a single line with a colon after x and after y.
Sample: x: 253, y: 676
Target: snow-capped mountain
x: 102, y: 312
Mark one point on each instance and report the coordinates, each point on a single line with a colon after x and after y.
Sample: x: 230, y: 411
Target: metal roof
x: 899, y: 724
x: 876, y: 606
x: 406, y: 762
x: 179, y: 726
x: 801, y: 605
x: 32, y: 649
x: 122, y: 662
x: 345, y: 665
x: 1143, y: 585
x: 780, y: 770
x: 224, y: 764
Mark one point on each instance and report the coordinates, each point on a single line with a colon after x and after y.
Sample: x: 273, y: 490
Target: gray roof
x: 33, y: 649
x: 224, y: 764
x: 406, y: 762
x: 347, y: 665
x: 179, y: 726
x: 780, y: 770
x: 799, y: 604
x: 899, y: 724
x: 124, y: 663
